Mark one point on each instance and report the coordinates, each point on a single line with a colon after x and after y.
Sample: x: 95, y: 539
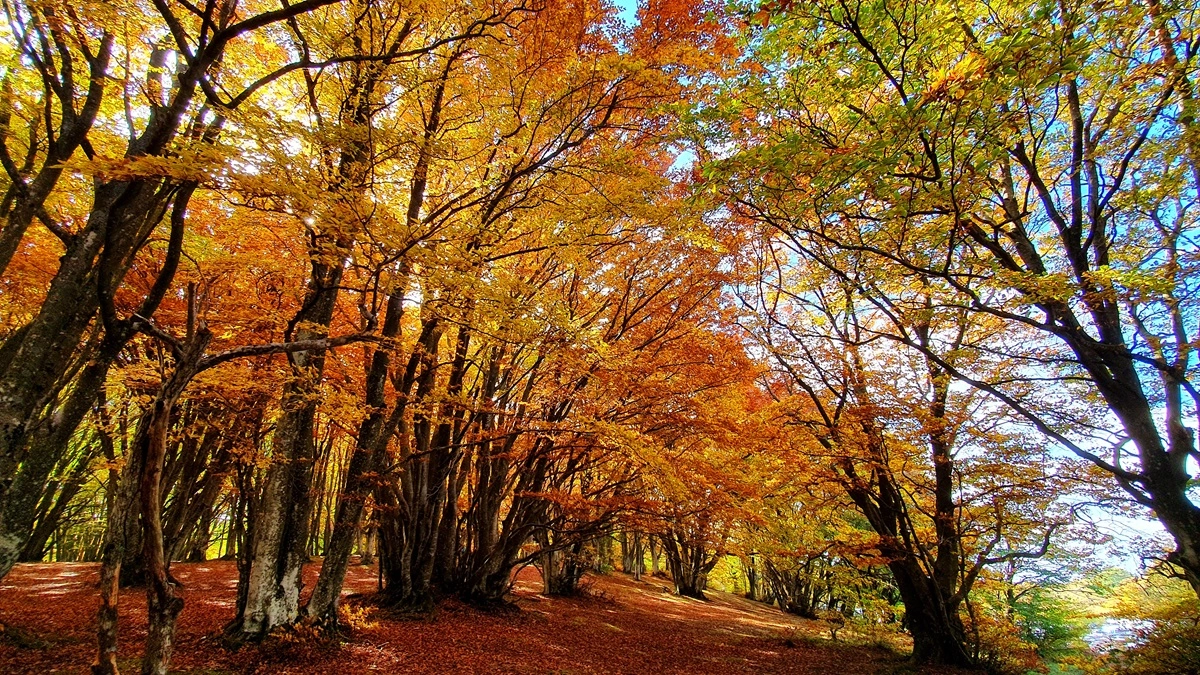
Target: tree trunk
x: 120, y: 532
x: 562, y: 570
x: 54, y: 504
x: 937, y: 631
x: 639, y: 556
x: 46, y: 446
x: 689, y: 563
x: 367, y: 557
x: 141, y: 485
x: 106, y: 620
x: 281, y: 527
x: 412, y: 534
x: 375, y: 431
x: 373, y: 435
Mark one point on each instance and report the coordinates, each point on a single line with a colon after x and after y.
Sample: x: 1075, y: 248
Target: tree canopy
x: 875, y: 306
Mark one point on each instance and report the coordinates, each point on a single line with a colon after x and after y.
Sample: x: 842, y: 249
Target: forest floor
x: 620, y: 626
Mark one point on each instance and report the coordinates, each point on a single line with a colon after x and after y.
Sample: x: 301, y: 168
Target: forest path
x: 623, y: 626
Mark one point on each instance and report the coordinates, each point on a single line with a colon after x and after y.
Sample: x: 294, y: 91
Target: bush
x: 999, y: 647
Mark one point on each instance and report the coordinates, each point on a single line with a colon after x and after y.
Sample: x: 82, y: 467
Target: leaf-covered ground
x: 623, y: 626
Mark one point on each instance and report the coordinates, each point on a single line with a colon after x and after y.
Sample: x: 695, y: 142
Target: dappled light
x: 631, y: 336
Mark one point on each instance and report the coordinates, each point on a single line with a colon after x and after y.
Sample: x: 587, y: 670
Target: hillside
x: 623, y: 626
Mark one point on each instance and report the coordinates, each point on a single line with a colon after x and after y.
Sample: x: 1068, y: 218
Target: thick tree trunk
x: 281, y: 526
x: 445, y: 570
x: 562, y: 570
x: 937, y: 631
x: 46, y: 447
x: 280, y: 544
x: 57, y: 496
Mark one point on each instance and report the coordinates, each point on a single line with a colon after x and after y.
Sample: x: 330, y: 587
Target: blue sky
x: 628, y: 10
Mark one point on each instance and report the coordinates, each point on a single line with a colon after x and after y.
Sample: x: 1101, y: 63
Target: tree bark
x: 689, y: 563
x: 162, y: 603
x: 281, y: 528
x: 140, y: 483
x: 373, y: 435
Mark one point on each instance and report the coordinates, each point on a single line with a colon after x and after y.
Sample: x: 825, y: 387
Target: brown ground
x: 625, y: 626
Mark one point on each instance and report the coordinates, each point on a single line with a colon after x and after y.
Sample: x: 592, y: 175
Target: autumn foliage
x: 854, y: 309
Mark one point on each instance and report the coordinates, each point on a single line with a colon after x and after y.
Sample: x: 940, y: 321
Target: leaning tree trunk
x: 689, y: 563
x: 36, y: 359
x: 375, y: 431
x: 373, y: 435
x: 163, y: 606
x: 45, y: 447
x: 140, y: 486
x: 56, y: 498
x: 281, y: 546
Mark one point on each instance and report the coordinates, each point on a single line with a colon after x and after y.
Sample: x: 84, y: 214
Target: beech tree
x: 379, y: 35
x: 434, y: 283
x: 917, y: 459
x: 144, y: 168
x: 1036, y: 165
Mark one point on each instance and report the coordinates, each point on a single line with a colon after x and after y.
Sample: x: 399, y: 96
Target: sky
x: 1130, y: 535
x: 627, y: 10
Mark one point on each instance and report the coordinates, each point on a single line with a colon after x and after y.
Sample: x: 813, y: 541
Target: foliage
x: 999, y: 646
x: 862, y: 308
x: 1048, y: 619
x: 979, y: 163
x: 1167, y: 646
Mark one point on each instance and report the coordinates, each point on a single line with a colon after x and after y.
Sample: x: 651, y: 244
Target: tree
x: 1036, y: 163
x: 140, y: 493
x: 917, y: 459
x: 701, y: 477
x: 145, y: 169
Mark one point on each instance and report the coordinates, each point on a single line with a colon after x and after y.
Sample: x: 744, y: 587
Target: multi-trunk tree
x: 136, y: 156
x: 1035, y: 164
x: 944, y: 477
x: 280, y: 279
